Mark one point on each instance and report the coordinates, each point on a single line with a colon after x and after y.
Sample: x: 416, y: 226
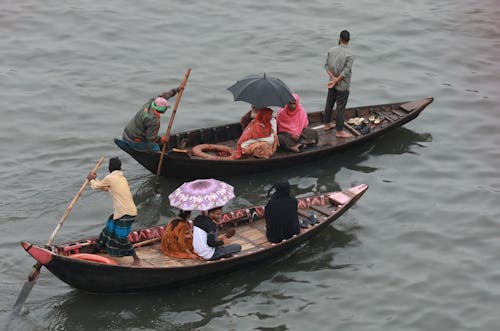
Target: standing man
x: 141, y: 132
x: 338, y: 67
x: 114, y: 237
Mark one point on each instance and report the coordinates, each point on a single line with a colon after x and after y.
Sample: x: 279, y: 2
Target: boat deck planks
x: 250, y: 236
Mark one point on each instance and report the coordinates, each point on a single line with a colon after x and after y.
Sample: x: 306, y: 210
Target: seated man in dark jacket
x: 206, y: 242
x: 282, y: 221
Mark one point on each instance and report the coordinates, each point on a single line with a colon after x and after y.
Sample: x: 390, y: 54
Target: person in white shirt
x: 206, y: 243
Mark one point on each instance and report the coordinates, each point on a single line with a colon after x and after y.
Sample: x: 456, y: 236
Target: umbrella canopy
x: 261, y: 91
x: 201, y: 194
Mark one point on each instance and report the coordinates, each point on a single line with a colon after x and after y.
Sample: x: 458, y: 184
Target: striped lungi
x: 114, y: 237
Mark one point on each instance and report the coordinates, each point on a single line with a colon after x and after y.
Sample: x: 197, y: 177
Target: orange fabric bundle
x: 260, y: 127
x: 178, y: 240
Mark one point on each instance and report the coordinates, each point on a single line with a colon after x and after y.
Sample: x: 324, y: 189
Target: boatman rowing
x: 141, y: 133
x: 114, y: 237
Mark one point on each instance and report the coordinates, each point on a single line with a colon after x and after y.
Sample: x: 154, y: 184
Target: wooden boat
x: 105, y: 274
x: 180, y: 161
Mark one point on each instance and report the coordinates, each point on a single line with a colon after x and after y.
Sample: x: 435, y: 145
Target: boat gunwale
x: 179, y: 160
x: 274, y: 246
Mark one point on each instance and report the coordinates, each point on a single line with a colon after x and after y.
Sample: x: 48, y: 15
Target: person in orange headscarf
x: 178, y: 238
x: 259, y: 138
x: 292, y: 126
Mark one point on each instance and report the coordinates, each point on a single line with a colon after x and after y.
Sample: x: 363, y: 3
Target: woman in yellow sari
x: 178, y: 238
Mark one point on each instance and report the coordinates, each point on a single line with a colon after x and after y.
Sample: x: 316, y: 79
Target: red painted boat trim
x: 93, y: 258
x: 102, y: 278
x: 42, y: 255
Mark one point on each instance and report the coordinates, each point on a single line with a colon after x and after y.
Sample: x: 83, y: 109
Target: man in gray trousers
x: 338, y: 67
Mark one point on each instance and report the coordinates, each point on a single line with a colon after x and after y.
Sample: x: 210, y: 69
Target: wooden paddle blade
x: 26, y: 290
x: 28, y: 285
x: 23, y: 295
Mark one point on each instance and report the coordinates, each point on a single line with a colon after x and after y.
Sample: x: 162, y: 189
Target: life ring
x: 93, y: 258
x: 222, y: 152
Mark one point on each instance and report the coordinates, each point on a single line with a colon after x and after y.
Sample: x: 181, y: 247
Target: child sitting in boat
x: 259, y: 138
x: 178, y: 238
x: 281, y: 213
x: 293, y: 132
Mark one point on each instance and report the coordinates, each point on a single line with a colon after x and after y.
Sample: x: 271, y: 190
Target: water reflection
x: 400, y: 141
x: 311, y: 177
x: 194, y: 305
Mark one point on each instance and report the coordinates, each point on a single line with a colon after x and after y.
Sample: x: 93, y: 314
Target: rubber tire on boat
x: 93, y: 258
x: 201, y: 151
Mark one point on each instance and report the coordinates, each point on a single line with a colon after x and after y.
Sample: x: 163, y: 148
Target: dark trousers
x: 225, y: 251
x: 339, y: 97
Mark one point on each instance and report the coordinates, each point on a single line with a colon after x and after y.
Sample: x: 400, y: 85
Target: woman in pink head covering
x: 292, y: 126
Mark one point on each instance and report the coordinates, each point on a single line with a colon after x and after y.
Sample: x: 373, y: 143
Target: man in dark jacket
x: 141, y: 132
x: 206, y: 243
x: 282, y: 220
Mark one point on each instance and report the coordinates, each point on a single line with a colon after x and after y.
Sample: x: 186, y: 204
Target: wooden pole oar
x: 30, y: 282
x: 177, y: 101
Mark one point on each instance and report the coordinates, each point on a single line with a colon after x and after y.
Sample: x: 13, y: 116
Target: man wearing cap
x: 338, y: 66
x: 141, y: 133
x: 114, y: 237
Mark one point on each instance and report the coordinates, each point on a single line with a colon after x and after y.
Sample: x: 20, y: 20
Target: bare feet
x: 343, y: 134
x: 328, y: 126
x: 137, y: 263
x: 295, y: 149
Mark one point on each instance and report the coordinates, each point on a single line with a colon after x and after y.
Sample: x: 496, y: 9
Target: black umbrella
x: 262, y: 91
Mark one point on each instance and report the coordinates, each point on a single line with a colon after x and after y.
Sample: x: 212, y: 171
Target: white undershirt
x: 200, y: 245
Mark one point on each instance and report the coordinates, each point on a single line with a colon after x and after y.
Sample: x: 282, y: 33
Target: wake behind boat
x: 197, y: 153
x: 72, y: 263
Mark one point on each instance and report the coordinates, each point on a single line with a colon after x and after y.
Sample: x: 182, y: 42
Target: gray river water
x: 420, y: 251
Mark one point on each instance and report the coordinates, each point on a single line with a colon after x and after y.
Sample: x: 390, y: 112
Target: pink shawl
x: 292, y: 121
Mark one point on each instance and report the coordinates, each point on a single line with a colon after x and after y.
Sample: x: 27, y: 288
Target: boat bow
x: 42, y: 255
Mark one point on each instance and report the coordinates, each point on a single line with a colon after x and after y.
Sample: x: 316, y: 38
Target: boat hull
x: 105, y: 278
x: 183, y: 165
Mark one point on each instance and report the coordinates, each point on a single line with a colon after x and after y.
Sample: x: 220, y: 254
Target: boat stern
x: 42, y: 255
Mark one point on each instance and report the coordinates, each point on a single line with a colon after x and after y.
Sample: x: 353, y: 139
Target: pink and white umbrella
x: 201, y: 194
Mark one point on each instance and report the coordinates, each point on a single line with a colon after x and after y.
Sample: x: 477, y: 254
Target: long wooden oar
x: 28, y: 285
x: 164, y: 147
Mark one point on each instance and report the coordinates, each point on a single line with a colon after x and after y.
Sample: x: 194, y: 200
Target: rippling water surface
x: 418, y: 252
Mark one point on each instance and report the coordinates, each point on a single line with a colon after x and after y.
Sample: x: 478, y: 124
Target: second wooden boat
x: 180, y: 161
